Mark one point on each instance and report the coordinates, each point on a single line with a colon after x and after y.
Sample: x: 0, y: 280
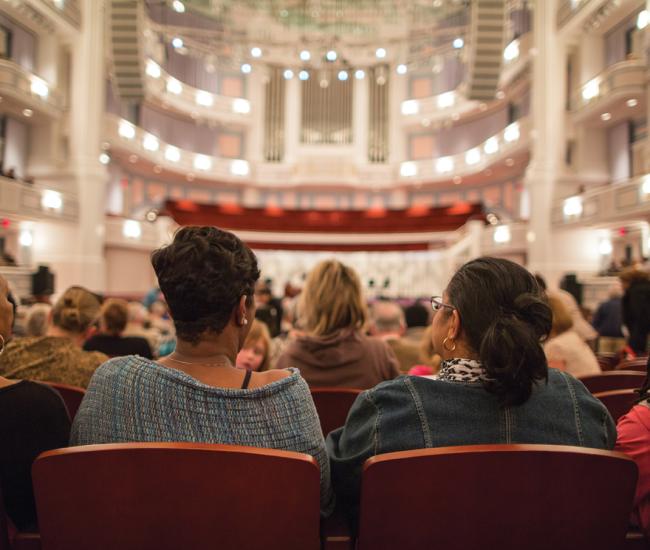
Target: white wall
x: 128, y: 271
x: 618, y: 139
x: 16, y: 144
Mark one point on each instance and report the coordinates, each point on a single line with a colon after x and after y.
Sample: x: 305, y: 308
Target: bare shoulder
x: 275, y: 374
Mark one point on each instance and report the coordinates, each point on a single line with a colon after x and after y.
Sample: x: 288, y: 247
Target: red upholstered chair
x: 607, y: 362
x: 171, y: 496
x: 333, y: 405
x: 72, y: 396
x: 613, y: 380
x: 618, y: 402
x: 638, y: 364
x: 11, y: 539
x: 502, y: 497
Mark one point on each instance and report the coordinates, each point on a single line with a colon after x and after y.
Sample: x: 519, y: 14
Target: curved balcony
x: 613, y: 203
x: 24, y: 90
x: 24, y: 202
x: 126, y: 137
x: 167, y: 90
x: 514, y: 139
x: 452, y: 104
x: 611, y: 95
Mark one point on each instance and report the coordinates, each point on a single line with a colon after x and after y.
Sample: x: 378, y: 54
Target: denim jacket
x: 413, y: 413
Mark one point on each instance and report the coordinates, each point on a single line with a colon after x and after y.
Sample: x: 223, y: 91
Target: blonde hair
x: 259, y: 331
x: 332, y: 299
x: 36, y: 320
x: 75, y: 310
x: 562, y: 320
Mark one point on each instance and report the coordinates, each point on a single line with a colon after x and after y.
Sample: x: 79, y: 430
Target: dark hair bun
x: 508, y: 338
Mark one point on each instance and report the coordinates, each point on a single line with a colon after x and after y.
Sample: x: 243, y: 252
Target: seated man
x: 387, y: 322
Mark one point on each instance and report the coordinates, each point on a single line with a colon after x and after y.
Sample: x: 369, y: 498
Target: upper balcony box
x: 22, y: 90
x: 617, y: 93
x: 67, y: 10
x: 164, y: 89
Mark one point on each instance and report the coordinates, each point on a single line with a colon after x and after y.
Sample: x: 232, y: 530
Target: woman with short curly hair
x: 196, y: 393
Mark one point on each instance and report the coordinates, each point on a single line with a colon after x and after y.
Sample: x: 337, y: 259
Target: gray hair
x: 387, y: 317
x: 37, y: 320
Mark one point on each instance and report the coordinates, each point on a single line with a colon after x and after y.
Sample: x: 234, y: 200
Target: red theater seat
x: 505, y: 497
x: 172, y: 496
x: 618, y: 402
x: 613, y: 380
x: 333, y: 405
x: 637, y: 364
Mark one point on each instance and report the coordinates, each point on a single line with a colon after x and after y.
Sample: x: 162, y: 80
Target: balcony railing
x: 28, y: 89
x: 121, y: 134
x: 33, y: 202
x: 193, y: 101
x: 626, y: 77
x: 606, y: 204
x: 514, y: 138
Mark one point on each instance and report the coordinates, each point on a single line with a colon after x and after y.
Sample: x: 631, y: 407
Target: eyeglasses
x: 437, y: 303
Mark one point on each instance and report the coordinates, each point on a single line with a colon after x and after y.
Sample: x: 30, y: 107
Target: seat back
x: 637, y: 364
x: 333, y: 405
x: 176, y: 495
x: 613, y: 380
x: 72, y: 396
x: 535, y: 497
x: 606, y: 362
x: 618, y: 402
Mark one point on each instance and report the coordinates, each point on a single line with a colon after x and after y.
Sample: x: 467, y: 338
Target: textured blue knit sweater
x: 135, y: 399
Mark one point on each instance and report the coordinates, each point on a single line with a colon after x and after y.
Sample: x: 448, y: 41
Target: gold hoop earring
x: 2, y: 344
x: 444, y: 344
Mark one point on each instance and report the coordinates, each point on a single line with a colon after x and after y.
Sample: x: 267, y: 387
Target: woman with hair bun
x: 57, y: 356
x: 494, y: 385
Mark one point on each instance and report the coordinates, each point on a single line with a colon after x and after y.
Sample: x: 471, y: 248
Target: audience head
x: 562, y: 320
x: 332, y: 300
x: 495, y: 311
x: 75, y: 311
x: 541, y: 282
x: 138, y: 313
x: 114, y: 316
x: 386, y: 318
x: 256, y: 352
x: 632, y: 276
x: 6, y: 313
x: 208, y: 278
x: 37, y: 319
x: 416, y: 315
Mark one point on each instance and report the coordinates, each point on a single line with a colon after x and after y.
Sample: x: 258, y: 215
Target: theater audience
x: 580, y: 324
x: 634, y: 440
x: 493, y: 387
x: 334, y: 351
x: 256, y: 352
x: 37, y: 320
x: 110, y: 339
x: 564, y: 349
x: 387, y: 323
x: 196, y: 393
x: 636, y: 305
x: 139, y: 325
x: 417, y: 320
x: 608, y: 322
x: 57, y: 356
x: 33, y: 419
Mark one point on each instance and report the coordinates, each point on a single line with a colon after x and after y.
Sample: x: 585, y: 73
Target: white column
x: 255, y: 135
x: 547, y: 102
x: 361, y: 112
x: 292, y: 114
x: 86, y: 123
x: 396, y: 94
